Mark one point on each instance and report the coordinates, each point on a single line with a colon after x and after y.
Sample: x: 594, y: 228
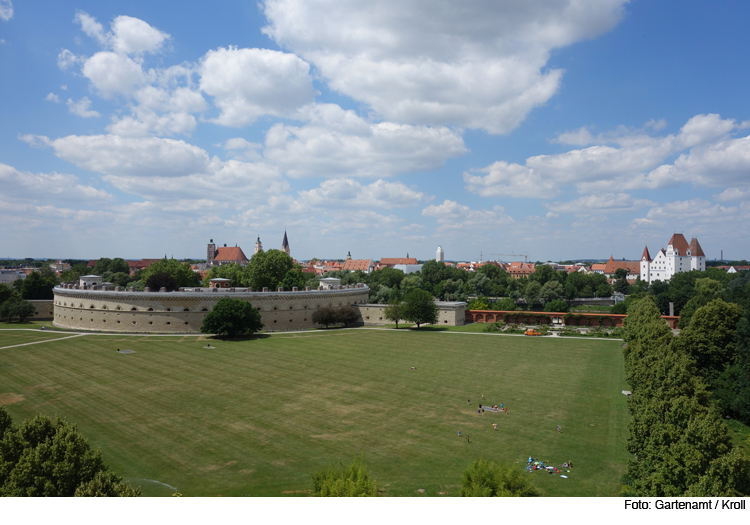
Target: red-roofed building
x: 632, y: 267
x: 393, y: 261
x: 364, y: 265
x: 224, y: 255
x: 519, y: 269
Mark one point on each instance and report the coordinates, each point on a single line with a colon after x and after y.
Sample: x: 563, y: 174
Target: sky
x: 558, y: 129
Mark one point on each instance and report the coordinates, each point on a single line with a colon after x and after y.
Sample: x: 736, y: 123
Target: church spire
x: 285, y: 244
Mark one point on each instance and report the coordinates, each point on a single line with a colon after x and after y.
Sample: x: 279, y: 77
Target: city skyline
x: 554, y: 129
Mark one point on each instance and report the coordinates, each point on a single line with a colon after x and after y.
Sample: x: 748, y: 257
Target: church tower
x: 285, y: 244
x: 258, y: 245
x: 210, y: 253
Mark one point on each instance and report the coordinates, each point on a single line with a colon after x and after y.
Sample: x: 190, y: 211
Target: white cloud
x: 336, y: 142
x: 348, y: 193
x: 733, y: 194
x: 67, y: 59
x: 128, y: 36
x: 51, y: 97
x: 452, y: 216
x: 113, y: 74
x: 608, y: 203
x: 167, y: 169
x: 700, y: 215
x: 81, y: 108
x: 243, y: 149
x: 6, y: 10
x: 476, y: 64
x: 623, y: 160
x: 40, y: 186
x: 248, y: 83
x: 134, y: 36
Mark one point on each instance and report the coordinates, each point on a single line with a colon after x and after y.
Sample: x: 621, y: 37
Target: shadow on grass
x: 238, y: 337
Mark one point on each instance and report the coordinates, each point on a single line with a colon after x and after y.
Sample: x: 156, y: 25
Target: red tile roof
x: 679, y: 243
x: 230, y: 254
x: 695, y: 248
x: 632, y: 267
x: 357, y: 264
x: 391, y: 261
x: 646, y: 255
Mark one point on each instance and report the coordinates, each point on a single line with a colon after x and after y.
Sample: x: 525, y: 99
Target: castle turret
x: 258, y: 245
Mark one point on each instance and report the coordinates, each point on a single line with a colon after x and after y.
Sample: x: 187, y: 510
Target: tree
x: 118, y: 265
x: 506, y: 304
x: 232, y: 317
x: 604, y: 290
x: 479, y: 303
x: 182, y: 272
x: 558, y: 305
x: 325, y: 316
x: 267, y: 269
x: 710, y: 338
x: 621, y: 273
x: 5, y: 293
x: 157, y: 281
x: 294, y: 278
x: 486, y: 480
x: 394, y: 312
x: 347, y: 315
x: 531, y: 293
x: 341, y: 481
x: 551, y: 291
x: 35, y: 286
x: 419, y: 308
x: 106, y: 484
x: 389, y: 277
x: 46, y: 457
x: 17, y: 307
x: 232, y: 271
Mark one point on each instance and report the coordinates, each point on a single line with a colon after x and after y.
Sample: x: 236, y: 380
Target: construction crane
x: 524, y: 255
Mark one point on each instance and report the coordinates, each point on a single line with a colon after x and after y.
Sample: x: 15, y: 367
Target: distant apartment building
x: 8, y: 276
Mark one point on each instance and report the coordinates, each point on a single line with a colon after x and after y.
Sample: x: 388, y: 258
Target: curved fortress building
x: 92, y: 308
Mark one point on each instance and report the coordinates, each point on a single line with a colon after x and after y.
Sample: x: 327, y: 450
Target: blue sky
x: 584, y: 128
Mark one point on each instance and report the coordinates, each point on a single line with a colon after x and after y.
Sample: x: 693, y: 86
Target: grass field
x: 259, y: 416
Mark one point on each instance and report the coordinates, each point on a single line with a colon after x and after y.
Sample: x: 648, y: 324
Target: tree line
x: 682, y: 388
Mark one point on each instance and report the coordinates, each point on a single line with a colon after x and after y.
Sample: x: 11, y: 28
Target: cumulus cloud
x: 166, y: 169
x: 452, y: 216
x: 476, y: 64
x: 113, y: 74
x: 248, y: 83
x: 700, y: 215
x: 128, y: 35
x: 348, y: 193
x: 62, y: 187
x: 336, y: 142
x: 81, y: 108
x: 6, y: 10
x: 623, y: 160
x: 67, y: 59
x: 51, y: 97
x: 609, y: 203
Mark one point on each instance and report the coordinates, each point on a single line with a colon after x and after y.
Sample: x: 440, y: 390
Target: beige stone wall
x: 44, y: 309
x: 449, y: 314
x: 183, y: 312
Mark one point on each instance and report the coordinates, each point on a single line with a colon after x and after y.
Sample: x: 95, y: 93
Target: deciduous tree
x: 419, y: 308
x: 232, y: 317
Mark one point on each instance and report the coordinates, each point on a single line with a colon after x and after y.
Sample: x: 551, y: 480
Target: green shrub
x: 489, y: 479
x: 342, y: 481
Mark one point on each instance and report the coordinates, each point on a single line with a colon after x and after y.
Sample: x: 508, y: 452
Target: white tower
x: 440, y: 255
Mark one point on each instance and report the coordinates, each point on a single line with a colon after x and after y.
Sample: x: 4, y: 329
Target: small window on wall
x: 186, y: 309
x: 204, y: 310
x: 133, y: 309
x: 150, y: 309
x: 169, y: 309
x: 186, y: 322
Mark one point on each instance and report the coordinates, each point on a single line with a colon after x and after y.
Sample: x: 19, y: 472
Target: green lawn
x: 258, y: 416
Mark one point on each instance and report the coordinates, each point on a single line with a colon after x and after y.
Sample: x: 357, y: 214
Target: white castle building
x: 678, y: 257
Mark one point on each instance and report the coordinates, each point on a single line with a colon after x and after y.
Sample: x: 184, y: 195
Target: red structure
x: 570, y: 319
